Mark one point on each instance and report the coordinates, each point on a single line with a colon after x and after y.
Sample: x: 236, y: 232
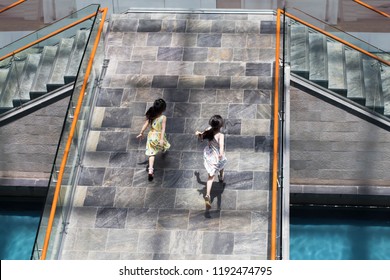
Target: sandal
x: 207, y: 200
x: 150, y: 174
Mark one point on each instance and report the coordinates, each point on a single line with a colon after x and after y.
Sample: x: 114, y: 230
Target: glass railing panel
x: 79, y: 15
x: 68, y: 185
x: 342, y: 64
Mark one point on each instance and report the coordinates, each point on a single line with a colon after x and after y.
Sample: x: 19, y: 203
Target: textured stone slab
x: 129, y: 197
x: 111, y: 218
x: 123, y: 159
x: 235, y: 221
x: 220, y: 243
x: 244, y: 83
x: 165, y: 81
x: 174, y: 25
x: 170, y: 54
x: 180, y: 68
x: 159, y: 39
x: 220, y: 54
x: 173, y: 219
x: 187, y: 110
x: 203, y: 96
x: 206, y: 68
x: 160, y: 198
x: 257, y: 97
x: 178, y: 178
x: 233, y: 40
x: 198, y: 26
x: 138, y: 81
x: 248, y: 27
x: 186, y: 243
x: 223, y: 26
x: 90, y: 239
x: 267, y: 27
x: 246, y: 54
x: 202, y: 220
x: 154, y: 242
x: 110, y: 98
x: 146, y: 25
x: 258, y: 69
x: 217, y: 82
x: 195, y: 54
x: 209, y: 40
x: 91, y: 176
x: 141, y: 218
x: 184, y: 40
x: 252, y: 200
x: 250, y: 243
x: 122, y: 240
x: 191, y: 82
x: 97, y: 196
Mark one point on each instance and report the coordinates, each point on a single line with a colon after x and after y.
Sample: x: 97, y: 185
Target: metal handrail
x: 12, y: 5
x: 48, y: 36
x: 337, y: 38
x: 70, y: 137
x: 371, y: 8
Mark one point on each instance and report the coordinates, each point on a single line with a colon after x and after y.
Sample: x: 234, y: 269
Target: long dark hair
x: 216, y: 122
x: 156, y: 110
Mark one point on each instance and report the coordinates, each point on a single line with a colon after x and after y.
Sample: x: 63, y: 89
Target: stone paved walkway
x: 201, y: 64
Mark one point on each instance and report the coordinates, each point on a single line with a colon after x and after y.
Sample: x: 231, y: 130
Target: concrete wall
x: 330, y: 146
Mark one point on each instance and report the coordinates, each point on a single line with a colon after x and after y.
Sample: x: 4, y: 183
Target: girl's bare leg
x: 220, y: 177
x: 150, y: 171
x: 208, y: 191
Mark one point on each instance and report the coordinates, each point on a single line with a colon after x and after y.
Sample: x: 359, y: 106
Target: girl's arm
x: 221, y: 145
x: 163, y: 125
x: 141, y: 134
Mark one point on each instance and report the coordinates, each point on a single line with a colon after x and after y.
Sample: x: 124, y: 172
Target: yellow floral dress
x: 152, y: 142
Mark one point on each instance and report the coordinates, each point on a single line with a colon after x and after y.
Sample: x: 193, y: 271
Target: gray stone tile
x: 130, y: 197
x: 248, y: 26
x: 194, y: 124
x: 202, y: 220
x: 239, y: 180
x: 209, y: 110
x: 264, y: 111
x: 123, y: 159
x: 244, y: 83
x: 98, y: 196
x: 208, y: 16
x: 254, y: 161
x: 233, y: 40
x: 217, y: 82
x: 128, y: 96
x: 184, y: 40
x: 91, y: 176
x: 257, y: 96
x: 124, y: 25
x: 176, y: 95
x: 186, y: 243
x: 118, y: 177
x: 113, y: 141
x: 192, y: 160
x: 140, y: 179
x: 195, y: 54
x: 206, y: 68
x: 255, y: 127
x: 74, y: 255
x: 252, y: 200
x: 218, y: 243
x: 145, y: 25
x: 170, y: 54
x: 135, y: 39
x: 198, y: 26
x: 172, y: 219
x: 119, y: 52
x: 267, y: 55
x: 136, y: 256
x: 180, y: 68
x: 220, y: 54
x: 110, y: 97
x: 111, y: 218
x: 102, y: 255
x: 138, y: 81
x: 189, y: 199
x: 236, y: 221
x: 154, y: 67
x: 183, y: 142
x: 190, y: 82
x: 117, y: 81
x: 232, y: 69
x: 160, y: 198
x: 266, y: 83
x: 141, y: 218
x: 175, y: 125
x: 128, y: 67
x: 232, y: 126
x: 203, y: 96
x: 260, y: 221
x: 170, y: 160
x: 262, y: 180
x: 154, y: 241
x: 209, y: 40
x: 178, y: 179
x: 242, y: 111
x: 245, y: 54
x: 144, y: 53
x: 191, y: 16
x: 187, y: 110
x: 229, y: 96
x: 83, y: 217
x: 258, y: 69
x: 165, y: 81
x: 267, y: 27
x: 263, y: 144
x: 90, y: 239
x: 96, y: 159
x: 223, y: 26
x: 159, y: 39
x: 250, y: 243
x: 178, y: 25
x: 260, y: 41
x: 240, y: 143
x: 148, y: 95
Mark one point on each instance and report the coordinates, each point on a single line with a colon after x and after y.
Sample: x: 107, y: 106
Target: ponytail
x: 157, y: 109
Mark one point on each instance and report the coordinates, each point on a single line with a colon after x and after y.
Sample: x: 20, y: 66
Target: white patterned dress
x: 211, y: 160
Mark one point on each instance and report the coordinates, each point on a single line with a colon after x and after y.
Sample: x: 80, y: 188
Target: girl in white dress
x: 214, y: 153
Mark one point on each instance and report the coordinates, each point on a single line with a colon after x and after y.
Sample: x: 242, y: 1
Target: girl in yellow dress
x: 156, y: 140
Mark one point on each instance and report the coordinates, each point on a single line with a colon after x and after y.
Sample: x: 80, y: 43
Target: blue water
x: 339, y: 234
x: 18, y: 228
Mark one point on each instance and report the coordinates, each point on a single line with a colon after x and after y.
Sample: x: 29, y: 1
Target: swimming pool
x: 339, y: 233
x: 18, y: 227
